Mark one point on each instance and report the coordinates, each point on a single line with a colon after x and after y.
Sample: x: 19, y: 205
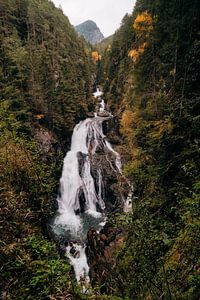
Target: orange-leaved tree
x: 96, y: 56
x: 143, y: 26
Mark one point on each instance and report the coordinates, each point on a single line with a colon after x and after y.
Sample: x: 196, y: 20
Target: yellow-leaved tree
x: 135, y: 53
x: 143, y: 26
x: 96, y: 56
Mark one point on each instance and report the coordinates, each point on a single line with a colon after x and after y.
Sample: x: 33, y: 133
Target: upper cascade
x: 90, y: 31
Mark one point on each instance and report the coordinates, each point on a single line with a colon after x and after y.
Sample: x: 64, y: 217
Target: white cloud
x: 106, y: 13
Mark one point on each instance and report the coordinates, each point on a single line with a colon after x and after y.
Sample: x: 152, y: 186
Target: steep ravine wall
x: 46, y: 82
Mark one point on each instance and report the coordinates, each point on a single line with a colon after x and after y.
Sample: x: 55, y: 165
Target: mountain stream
x: 81, y: 201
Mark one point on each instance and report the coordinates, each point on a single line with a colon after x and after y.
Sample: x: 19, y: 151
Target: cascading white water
x: 98, y: 93
x: 79, y: 202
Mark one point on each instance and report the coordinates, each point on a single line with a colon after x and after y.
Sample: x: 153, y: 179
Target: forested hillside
x: 151, y: 78
x: 45, y: 74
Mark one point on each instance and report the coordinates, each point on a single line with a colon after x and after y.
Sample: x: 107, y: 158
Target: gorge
x: 100, y: 193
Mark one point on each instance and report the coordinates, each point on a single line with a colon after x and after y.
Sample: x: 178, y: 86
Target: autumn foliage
x: 143, y: 26
x: 135, y: 53
x: 143, y: 23
x: 128, y: 122
x: 96, y: 56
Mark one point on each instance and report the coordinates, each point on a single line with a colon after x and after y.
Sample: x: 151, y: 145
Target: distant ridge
x: 90, y: 31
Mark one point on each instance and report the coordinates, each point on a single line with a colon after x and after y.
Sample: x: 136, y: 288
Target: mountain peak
x: 90, y: 31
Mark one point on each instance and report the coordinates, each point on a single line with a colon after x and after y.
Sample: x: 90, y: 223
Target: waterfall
x: 80, y: 203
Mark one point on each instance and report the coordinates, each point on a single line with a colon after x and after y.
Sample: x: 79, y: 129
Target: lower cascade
x: 81, y: 198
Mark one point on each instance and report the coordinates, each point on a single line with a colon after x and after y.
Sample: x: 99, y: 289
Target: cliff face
x: 90, y: 31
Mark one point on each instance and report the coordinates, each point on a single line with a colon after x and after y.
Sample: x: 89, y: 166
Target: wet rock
x: 111, y: 130
x: 75, y: 253
x: 105, y: 164
x: 82, y: 201
x: 90, y: 114
x: 81, y: 160
x: 102, y: 252
x: 103, y: 237
x: 103, y: 114
x: 72, y: 250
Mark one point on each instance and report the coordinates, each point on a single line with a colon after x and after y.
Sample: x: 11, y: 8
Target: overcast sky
x: 106, y: 13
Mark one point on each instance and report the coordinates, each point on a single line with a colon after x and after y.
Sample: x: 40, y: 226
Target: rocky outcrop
x: 105, y: 164
x: 102, y: 249
x: 90, y: 31
x: 104, y: 114
x: 45, y: 139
